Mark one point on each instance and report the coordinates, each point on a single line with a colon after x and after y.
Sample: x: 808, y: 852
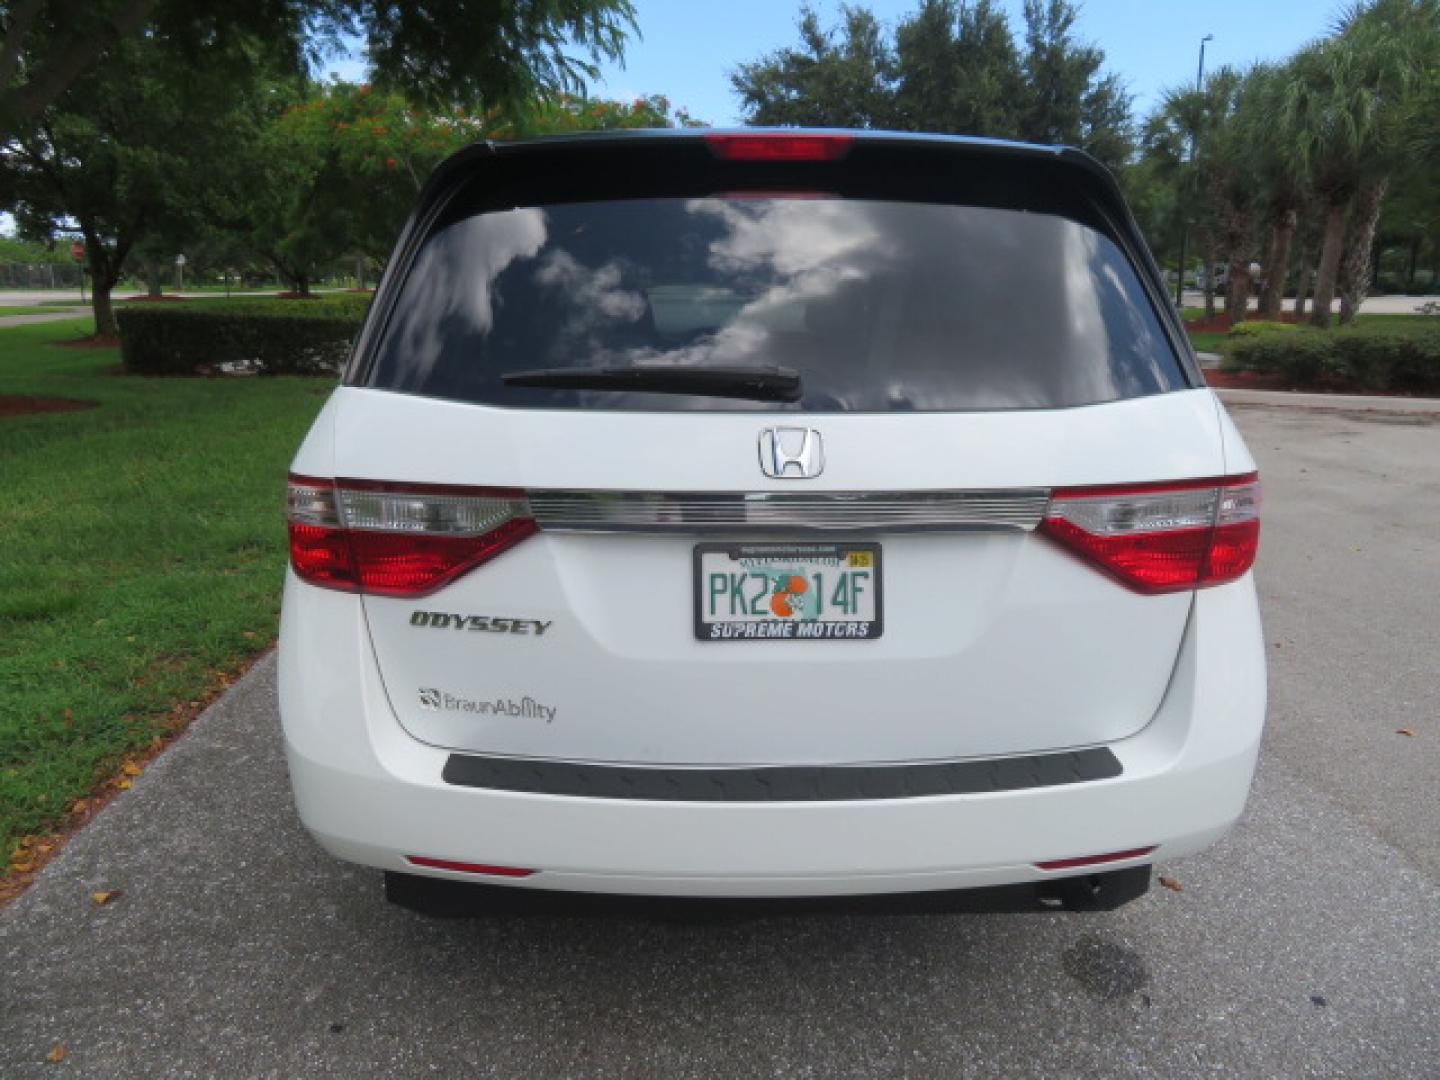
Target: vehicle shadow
x: 463, y: 900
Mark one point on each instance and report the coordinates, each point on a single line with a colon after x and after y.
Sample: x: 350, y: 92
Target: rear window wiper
x: 754, y: 383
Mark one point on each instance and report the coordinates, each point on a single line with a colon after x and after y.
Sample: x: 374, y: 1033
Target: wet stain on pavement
x: 1105, y: 969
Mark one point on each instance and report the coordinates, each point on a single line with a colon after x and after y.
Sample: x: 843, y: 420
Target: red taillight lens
x: 467, y: 867
x: 779, y: 146
x: 321, y: 555
x: 1095, y: 860
x: 398, y: 539
x: 1158, y: 538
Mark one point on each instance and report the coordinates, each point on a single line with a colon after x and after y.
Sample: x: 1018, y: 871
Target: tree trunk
x: 1355, y: 275
x: 1207, y: 245
x: 1414, y: 258
x: 104, y: 272
x: 153, y: 282
x: 1237, y: 291
x: 1277, y: 266
x: 100, y: 286
x: 1329, y: 268
x: 1302, y: 282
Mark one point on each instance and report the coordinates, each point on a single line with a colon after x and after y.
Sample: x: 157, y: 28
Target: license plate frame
x: 805, y: 556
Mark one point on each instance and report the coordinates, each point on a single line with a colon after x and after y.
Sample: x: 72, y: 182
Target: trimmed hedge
x: 268, y: 337
x: 1252, y: 327
x: 1370, y: 359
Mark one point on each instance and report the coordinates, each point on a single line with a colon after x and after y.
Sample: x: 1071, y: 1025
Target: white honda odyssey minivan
x: 771, y: 513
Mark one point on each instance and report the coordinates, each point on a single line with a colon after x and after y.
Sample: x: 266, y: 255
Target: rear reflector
x: 1095, y: 860
x: 1167, y: 537
x: 398, y: 539
x: 467, y: 867
x: 779, y: 146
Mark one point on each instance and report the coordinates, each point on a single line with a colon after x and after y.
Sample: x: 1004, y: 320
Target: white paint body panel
x: 995, y: 643
x: 372, y: 794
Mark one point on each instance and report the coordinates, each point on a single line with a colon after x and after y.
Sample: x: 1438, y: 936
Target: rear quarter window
x: 879, y: 306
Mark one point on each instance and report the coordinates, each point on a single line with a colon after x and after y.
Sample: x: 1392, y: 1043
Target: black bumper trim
x: 780, y: 783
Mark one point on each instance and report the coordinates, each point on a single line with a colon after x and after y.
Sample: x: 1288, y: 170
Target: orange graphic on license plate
x: 791, y: 587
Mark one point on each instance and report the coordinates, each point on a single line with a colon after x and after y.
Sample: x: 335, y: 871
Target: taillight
x: 468, y: 868
x: 1166, y: 537
x: 1096, y: 860
x: 398, y: 539
x: 778, y: 146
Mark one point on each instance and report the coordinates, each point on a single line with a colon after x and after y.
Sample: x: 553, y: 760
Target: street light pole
x: 1184, y: 222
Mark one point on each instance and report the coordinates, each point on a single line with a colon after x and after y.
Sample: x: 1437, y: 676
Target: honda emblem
x: 791, y: 453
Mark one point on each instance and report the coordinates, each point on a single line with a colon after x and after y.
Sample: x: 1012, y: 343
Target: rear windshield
x: 878, y: 306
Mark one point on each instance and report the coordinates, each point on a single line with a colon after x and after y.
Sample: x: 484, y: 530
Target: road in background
x: 1397, y: 304
x: 1304, y: 944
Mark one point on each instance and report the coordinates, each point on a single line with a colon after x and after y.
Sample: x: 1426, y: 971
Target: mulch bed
x: 1253, y: 380
x: 94, y: 342
x: 1248, y: 380
x: 23, y: 405
x: 295, y: 296
x: 162, y: 296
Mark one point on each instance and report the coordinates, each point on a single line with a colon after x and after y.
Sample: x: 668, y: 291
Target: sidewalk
x: 1389, y: 304
x: 42, y: 316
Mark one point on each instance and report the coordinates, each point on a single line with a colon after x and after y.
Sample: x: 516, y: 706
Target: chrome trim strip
x: 770, y: 511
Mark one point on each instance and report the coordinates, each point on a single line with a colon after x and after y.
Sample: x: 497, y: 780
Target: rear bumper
x: 369, y: 793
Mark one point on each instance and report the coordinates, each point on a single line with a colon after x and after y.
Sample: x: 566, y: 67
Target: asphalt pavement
x: 1304, y: 944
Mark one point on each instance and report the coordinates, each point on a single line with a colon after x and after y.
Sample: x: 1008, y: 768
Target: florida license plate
x: 787, y: 592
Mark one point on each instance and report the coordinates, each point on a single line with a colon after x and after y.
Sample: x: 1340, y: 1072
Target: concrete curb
x: 1330, y: 402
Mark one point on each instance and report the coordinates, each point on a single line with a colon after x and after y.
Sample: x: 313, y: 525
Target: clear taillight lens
x: 1166, y: 537
x: 398, y: 539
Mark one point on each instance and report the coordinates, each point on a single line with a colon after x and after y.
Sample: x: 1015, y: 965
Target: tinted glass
x: 880, y: 306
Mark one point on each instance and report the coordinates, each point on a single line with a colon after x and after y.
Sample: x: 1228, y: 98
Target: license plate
x: 787, y: 592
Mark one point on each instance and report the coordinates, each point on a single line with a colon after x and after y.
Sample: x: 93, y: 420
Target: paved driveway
x: 1305, y: 944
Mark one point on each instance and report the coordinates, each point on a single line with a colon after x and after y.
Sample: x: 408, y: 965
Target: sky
x: 688, y: 47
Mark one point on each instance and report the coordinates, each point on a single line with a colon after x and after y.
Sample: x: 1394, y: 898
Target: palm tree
x: 1214, y: 191
x: 1282, y: 184
x: 1401, y: 39
x: 1342, y: 109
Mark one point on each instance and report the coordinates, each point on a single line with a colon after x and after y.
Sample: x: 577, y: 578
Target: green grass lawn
x: 1207, y: 342
x: 141, y: 555
x: 24, y: 309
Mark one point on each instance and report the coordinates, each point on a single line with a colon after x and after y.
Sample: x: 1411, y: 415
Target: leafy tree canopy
x: 950, y: 66
x: 439, y: 52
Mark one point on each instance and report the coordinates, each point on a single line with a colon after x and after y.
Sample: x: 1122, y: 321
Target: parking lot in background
x: 1304, y: 944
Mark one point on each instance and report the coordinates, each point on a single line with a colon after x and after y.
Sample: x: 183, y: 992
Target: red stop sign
x: 77, y: 250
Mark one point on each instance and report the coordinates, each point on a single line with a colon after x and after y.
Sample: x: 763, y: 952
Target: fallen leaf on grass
x: 130, y: 769
x: 104, y: 896
x: 1171, y: 883
x: 22, y: 867
x: 1405, y: 731
x: 56, y: 1054
x: 123, y: 785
